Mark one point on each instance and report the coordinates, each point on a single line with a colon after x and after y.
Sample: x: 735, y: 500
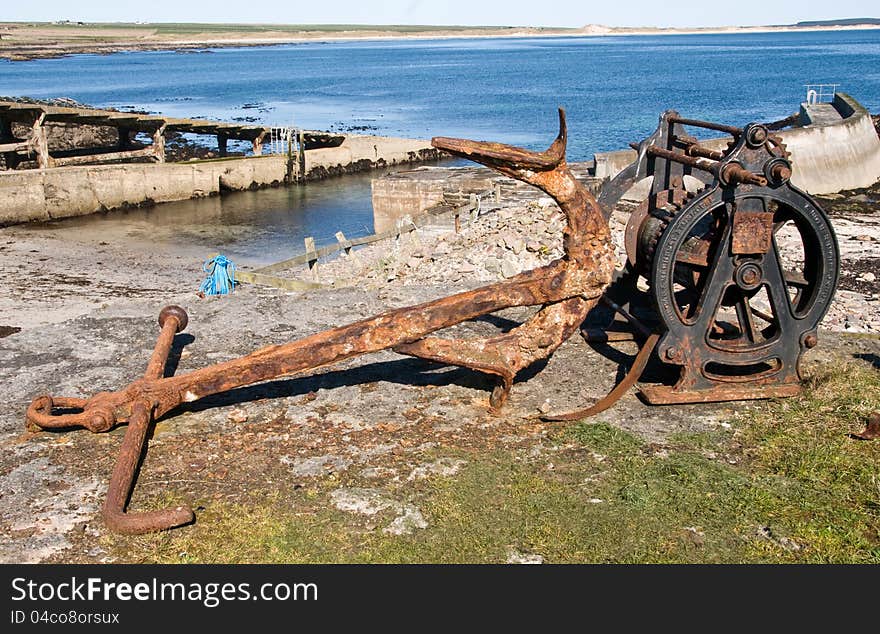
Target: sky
x: 564, y: 13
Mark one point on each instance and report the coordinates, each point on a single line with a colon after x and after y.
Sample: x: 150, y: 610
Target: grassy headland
x: 32, y: 40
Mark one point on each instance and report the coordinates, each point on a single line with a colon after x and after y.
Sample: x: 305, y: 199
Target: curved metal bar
x: 123, y: 479
x: 638, y: 366
x: 39, y: 412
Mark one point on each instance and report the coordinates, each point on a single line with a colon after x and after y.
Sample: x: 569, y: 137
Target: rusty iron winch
x: 728, y: 301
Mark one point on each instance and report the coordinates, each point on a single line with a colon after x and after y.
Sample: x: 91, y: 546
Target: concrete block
x: 394, y: 198
x: 68, y: 192
x: 22, y: 198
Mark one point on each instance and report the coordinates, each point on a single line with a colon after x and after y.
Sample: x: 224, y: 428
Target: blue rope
x: 221, y: 276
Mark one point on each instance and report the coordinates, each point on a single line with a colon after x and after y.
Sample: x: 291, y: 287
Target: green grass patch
x: 784, y: 484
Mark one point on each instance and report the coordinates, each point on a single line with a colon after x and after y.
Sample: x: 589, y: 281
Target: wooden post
x: 313, y: 257
x: 301, y: 154
x: 475, y: 207
x: 258, y: 143
x: 497, y: 190
x: 159, y: 144
x: 345, y: 243
x: 290, y: 139
x: 221, y: 144
x: 40, y: 143
x: 457, y: 222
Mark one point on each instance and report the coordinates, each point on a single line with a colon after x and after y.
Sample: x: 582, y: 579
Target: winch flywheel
x: 741, y: 265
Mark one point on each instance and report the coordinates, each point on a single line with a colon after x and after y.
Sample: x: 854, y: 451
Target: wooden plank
x: 85, y: 159
x: 285, y: 264
x: 252, y: 277
x: 92, y: 116
x: 14, y: 147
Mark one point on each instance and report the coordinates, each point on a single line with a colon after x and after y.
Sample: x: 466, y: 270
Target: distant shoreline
x: 29, y: 41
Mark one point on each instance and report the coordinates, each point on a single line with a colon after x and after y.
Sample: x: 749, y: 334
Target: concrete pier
x: 76, y: 181
x: 60, y: 192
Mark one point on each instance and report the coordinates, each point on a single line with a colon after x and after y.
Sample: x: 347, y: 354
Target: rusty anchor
x: 724, y: 303
x: 566, y: 290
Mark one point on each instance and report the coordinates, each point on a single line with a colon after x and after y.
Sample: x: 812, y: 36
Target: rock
x: 533, y: 245
x: 371, y: 501
x: 545, y: 201
x: 510, y: 266
x: 361, y: 500
x: 516, y: 557
x: 316, y: 465
x: 507, y: 239
x: 237, y: 415
x: 443, y: 467
x: 868, y: 277
x: 864, y: 238
x: 442, y: 248
x: 409, y: 520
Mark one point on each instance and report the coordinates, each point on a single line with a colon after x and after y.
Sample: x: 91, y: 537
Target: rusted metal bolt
x: 100, y: 422
x: 780, y: 172
x: 733, y: 173
x: 757, y: 135
x: 176, y: 312
x: 748, y: 276
x: 673, y: 353
x: 811, y: 340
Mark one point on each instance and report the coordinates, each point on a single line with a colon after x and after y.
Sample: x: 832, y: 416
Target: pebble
x: 514, y: 557
x: 510, y: 267
x: 237, y: 416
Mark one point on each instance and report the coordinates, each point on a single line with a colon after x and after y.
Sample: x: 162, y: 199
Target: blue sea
x: 613, y: 89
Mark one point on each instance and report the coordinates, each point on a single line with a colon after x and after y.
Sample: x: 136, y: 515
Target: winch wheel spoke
x: 722, y: 269
x: 746, y: 318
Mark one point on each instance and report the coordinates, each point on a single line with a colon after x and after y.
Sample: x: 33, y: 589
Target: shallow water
x: 253, y: 227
